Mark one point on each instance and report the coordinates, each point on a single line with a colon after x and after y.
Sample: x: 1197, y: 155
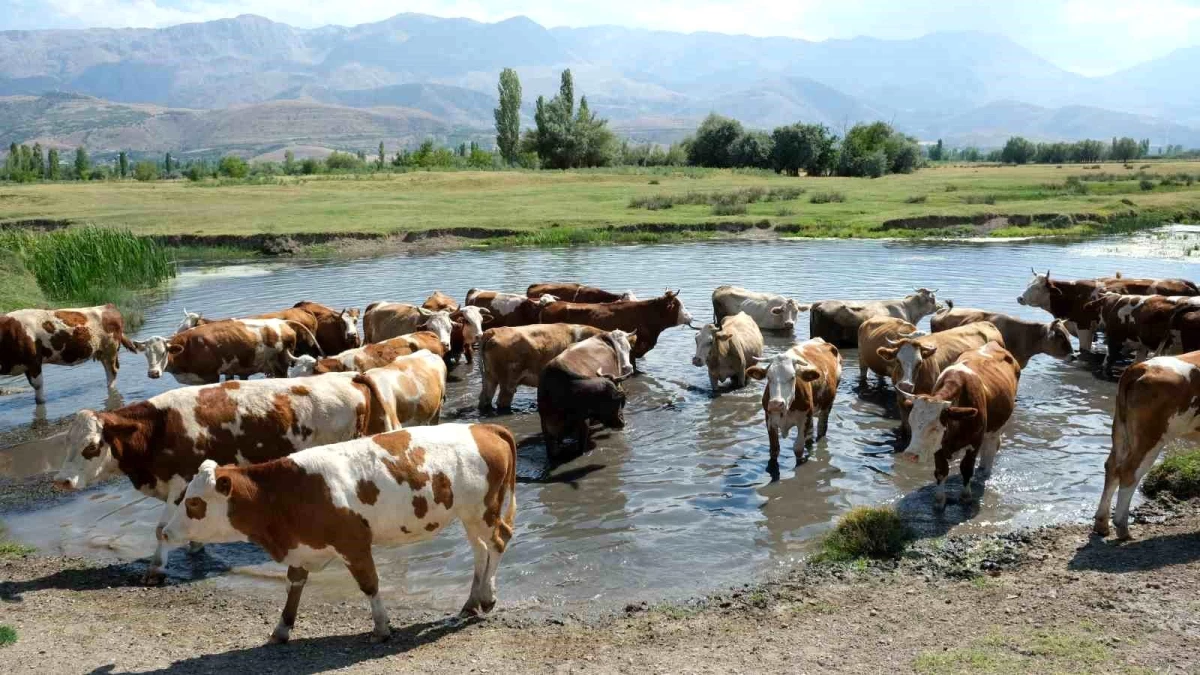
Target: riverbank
x: 1049, y: 600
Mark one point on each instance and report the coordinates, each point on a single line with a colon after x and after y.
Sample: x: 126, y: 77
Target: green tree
x: 562, y: 139
x: 595, y: 144
x: 53, y: 170
x: 168, y: 165
x: 381, y: 159
x: 713, y: 142
x: 123, y: 164
x: 82, y: 164
x: 1087, y: 151
x: 810, y: 148
x: 875, y: 149
x: 1125, y: 149
x: 233, y: 166
x: 145, y: 170
x: 289, y: 161
x: 752, y: 149
x: 38, y: 168
x: 508, y: 115
x: 1018, y: 150
x: 937, y: 152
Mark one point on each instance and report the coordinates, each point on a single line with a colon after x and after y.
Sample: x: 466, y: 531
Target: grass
x: 827, y: 198
x: 1071, y: 650
x: 866, y: 532
x: 11, y: 549
x: 18, y: 286
x: 591, y: 199
x: 916, y: 199
x: 1177, y: 476
x: 8, y: 635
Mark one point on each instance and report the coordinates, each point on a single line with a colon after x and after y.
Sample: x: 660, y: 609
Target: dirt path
x: 1053, y: 600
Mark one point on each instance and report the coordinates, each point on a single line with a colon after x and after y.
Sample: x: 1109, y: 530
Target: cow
x: 440, y: 302
x: 647, y: 318
x: 1141, y: 322
x: 917, y: 362
x: 729, y: 350
x: 801, y: 385
x: 232, y: 347
x: 576, y: 293
x: 509, y: 309
x: 1185, y: 328
x: 1158, y: 401
x: 583, y: 384
x: 465, y: 329
x: 159, y: 443
x: 327, y: 332
x: 966, y: 409
x: 1132, y: 286
x: 411, y: 388
x: 1022, y: 338
x: 876, y: 332
x: 32, y: 338
x: 335, y: 502
x: 837, y: 321
x: 384, y: 320
x: 513, y: 356
x: 362, y: 359
x: 770, y: 311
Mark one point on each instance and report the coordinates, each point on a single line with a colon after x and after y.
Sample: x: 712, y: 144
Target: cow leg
x: 823, y: 422
x: 583, y: 433
x: 773, y: 462
x: 1085, y: 339
x: 34, y: 375
x: 362, y: 567
x: 504, y: 402
x: 486, y: 392
x: 987, y: 456
x: 477, y: 535
x: 1142, y: 353
x: 1129, y: 483
x: 1111, y: 481
x: 550, y: 436
x: 469, y: 354
x: 941, y: 470
x: 802, y: 436
x: 713, y: 381
x: 297, y: 576
x: 1114, y: 353
x: 111, y: 366
x: 966, y: 469
x: 155, y: 574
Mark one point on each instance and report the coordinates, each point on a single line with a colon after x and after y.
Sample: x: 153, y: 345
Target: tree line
x: 1019, y: 150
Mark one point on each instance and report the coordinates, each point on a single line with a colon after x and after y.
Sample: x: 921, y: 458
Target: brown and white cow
x: 412, y: 388
x: 362, y: 359
x: 837, y: 321
x: 336, y: 502
x: 647, y: 318
x: 770, y: 311
x: 509, y: 309
x: 581, y: 385
x: 1157, y: 402
x: 384, y: 320
x: 917, y: 362
x: 1185, y: 328
x: 440, y: 302
x: 159, y: 443
x: 32, y: 338
x: 572, y: 292
x: 876, y: 332
x: 801, y: 385
x: 966, y: 410
x: 232, y: 347
x: 327, y: 331
x: 513, y: 356
x: 465, y: 329
x: 1134, y: 286
x: 1140, y: 322
x: 1022, y: 338
x: 729, y: 350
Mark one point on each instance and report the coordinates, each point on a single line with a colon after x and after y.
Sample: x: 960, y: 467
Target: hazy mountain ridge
x: 961, y: 86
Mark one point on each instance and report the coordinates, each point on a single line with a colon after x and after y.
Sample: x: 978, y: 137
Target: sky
x: 1090, y: 37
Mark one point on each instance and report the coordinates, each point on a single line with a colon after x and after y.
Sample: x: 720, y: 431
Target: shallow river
x: 680, y: 501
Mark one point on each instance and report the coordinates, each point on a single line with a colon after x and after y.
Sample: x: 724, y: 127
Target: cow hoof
x: 939, y: 503
x: 195, y: 548
x: 1100, y: 527
x: 154, y: 578
x: 966, y: 495
x: 278, y: 638
x: 1123, y: 533
x: 487, y: 606
x: 378, y: 637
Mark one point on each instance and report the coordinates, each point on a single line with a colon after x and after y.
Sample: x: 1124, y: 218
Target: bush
x: 8, y: 635
x: 951, y: 188
x: 916, y: 199
x: 233, y: 167
x: 652, y: 202
x: 1076, y: 186
x: 1146, y: 184
x: 866, y: 532
x: 712, y: 145
x: 979, y: 199
x: 827, y: 197
x: 145, y: 171
x: 784, y: 212
x: 729, y: 209
x: 1177, y: 476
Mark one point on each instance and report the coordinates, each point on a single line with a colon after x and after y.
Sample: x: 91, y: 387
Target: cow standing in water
x: 647, y: 318
x: 1022, y: 338
x: 581, y: 385
x: 838, y: 321
x: 728, y: 350
x: 572, y: 292
x: 770, y: 311
x: 801, y: 386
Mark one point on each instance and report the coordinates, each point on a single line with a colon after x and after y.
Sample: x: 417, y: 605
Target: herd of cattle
x: 340, y: 447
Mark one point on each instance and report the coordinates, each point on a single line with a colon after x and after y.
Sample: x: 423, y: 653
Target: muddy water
x: 679, y: 502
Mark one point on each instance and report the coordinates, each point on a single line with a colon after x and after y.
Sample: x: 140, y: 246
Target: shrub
x: 916, y: 199
x: 233, y: 167
x: 653, y: 181
x: 951, y: 188
x: 784, y: 212
x: 729, y: 209
x: 979, y: 199
x: 8, y: 635
x: 145, y: 171
x: 866, y: 532
x: 827, y: 197
x: 1178, y: 476
x: 1076, y: 186
x: 1146, y: 184
x: 651, y: 203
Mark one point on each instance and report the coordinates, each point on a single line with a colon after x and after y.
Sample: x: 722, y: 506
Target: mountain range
x: 256, y: 85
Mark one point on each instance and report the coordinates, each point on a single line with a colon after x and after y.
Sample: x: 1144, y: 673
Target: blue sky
x: 1087, y: 36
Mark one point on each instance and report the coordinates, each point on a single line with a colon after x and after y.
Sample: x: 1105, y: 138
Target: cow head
x: 546, y: 300
x: 781, y: 372
x: 705, y: 336
x: 628, y: 296
x: 676, y: 310
x: 1057, y: 340
x: 203, y: 515
x: 190, y: 320
x: 301, y: 366
x: 1039, y: 291
x: 438, y: 323
x: 607, y: 406
x: 158, y: 351
x: 929, y: 418
x: 789, y: 311
x: 89, y: 456
x: 472, y: 318
x: 349, y: 318
x: 905, y: 355
x: 921, y: 303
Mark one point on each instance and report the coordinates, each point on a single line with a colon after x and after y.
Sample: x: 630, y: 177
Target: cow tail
x: 380, y: 416
x: 503, y: 530
x: 309, y: 333
x: 126, y: 342
x: 484, y: 340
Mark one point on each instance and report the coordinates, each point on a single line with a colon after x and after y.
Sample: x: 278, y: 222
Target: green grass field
x: 523, y: 200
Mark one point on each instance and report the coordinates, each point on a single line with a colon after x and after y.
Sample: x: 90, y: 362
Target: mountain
x: 415, y: 74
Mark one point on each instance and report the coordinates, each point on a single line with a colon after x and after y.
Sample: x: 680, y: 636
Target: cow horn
x: 896, y: 343
x: 291, y: 358
x: 905, y: 394
x: 1034, y: 271
x: 484, y: 311
x: 615, y: 378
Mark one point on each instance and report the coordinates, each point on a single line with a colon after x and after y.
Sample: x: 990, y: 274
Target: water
x: 679, y: 502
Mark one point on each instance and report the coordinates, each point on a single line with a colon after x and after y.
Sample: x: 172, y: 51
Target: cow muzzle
x: 776, y: 405
x: 66, y: 483
x: 155, y: 374
x: 789, y: 325
x: 696, y: 361
x: 1021, y: 301
x: 906, y: 387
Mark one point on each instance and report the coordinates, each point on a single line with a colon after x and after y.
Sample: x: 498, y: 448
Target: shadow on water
x: 310, y: 655
x: 1100, y: 555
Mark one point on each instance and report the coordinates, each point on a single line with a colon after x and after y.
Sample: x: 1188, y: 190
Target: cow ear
x: 887, y: 353
x: 957, y: 413
x: 224, y: 485
x: 756, y: 372
x: 632, y: 340
x: 906, y: 403
x: 810, y: 374
x: 174, y: 349
x: 928, y: 351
